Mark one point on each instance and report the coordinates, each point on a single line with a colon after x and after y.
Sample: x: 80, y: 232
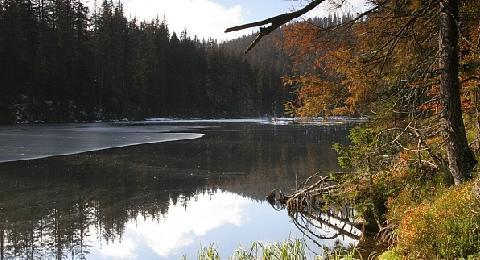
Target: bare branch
x: 469, y: 79
x: 275, y: 22
x: 349, y: 23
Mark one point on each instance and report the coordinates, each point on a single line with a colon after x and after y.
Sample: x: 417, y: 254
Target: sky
x: 210, y: 18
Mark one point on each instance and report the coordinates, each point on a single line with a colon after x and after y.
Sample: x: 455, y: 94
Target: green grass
x: 292, y: 249
x: 208, y: 253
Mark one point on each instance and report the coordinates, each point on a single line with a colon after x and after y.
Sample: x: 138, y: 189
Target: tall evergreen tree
x: 63, y: 62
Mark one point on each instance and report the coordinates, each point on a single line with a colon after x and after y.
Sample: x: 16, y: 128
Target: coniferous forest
x: 406, y: 184
x: 62, y: 62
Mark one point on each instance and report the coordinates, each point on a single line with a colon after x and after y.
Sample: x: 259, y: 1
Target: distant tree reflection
x: 50, y: 207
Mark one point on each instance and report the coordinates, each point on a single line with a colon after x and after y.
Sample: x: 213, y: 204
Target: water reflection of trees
x: 320, y: 225
x: 312, y: 217
x: 285, y: 158
x: 50, y: 207
x: 52, y: 217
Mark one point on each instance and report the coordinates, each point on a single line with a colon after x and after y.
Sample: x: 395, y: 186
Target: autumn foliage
x: 446, y: 227
x: 386, y: 66
x: 345, y: 67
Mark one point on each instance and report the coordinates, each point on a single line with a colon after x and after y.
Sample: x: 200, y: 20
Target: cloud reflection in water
x: 184, y: 224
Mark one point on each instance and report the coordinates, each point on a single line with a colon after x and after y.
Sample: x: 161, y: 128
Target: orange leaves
x: 308, y: 41
x: 300, y: 41
x: 314, y: 96
x: 445, y: 227
x: 395, y: 50
x: 327, y: 80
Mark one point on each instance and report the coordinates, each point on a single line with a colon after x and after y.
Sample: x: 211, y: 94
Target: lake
x: 158, y: 189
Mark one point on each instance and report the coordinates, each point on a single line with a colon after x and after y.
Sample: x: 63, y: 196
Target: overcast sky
x: 209, y: 18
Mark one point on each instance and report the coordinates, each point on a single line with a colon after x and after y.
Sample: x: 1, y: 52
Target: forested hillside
x: 62, y: 62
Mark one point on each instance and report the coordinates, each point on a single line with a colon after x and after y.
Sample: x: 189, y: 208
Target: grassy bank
x: 287, y: 250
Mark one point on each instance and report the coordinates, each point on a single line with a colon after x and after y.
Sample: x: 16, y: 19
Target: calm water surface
x: 162, y: 200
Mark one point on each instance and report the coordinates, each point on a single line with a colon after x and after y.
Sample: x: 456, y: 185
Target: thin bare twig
x: 275, y: 22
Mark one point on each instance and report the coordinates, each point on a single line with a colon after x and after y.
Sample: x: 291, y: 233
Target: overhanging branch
x: 275, y: 22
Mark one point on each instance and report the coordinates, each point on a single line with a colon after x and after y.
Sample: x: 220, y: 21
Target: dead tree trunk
x: 460, y: 158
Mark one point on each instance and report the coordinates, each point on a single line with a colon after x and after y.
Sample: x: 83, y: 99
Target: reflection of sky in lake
x: 152, y: 201
x: 219, y: 218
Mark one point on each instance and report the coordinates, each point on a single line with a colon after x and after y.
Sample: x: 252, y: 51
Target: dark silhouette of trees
x: 61, y: 62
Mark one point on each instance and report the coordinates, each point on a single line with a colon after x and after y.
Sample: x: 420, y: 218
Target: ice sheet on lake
x: 25, y: 142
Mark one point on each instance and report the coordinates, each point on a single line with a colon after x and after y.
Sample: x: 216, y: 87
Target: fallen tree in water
x: 307, y: 197
x: 307, y: 208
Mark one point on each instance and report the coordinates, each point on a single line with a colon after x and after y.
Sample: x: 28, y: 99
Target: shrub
x: 447, y: 227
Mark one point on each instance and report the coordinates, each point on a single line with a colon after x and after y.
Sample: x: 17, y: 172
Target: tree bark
x: 460, y: 158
